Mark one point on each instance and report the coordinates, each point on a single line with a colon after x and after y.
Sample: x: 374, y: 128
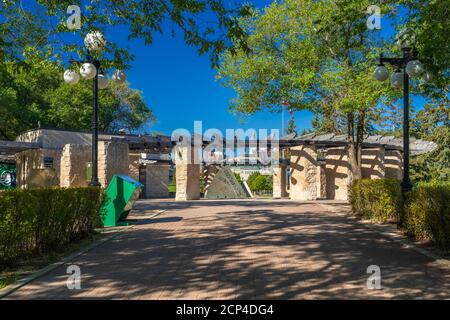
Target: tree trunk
x: 354, y: 149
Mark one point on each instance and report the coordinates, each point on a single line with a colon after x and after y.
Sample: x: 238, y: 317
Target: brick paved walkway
x: 245, y: 249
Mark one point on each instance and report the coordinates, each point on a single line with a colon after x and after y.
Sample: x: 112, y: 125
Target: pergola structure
x: 318, y: 164
x: 310, y: 166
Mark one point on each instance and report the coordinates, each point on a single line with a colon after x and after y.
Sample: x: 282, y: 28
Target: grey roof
x: 332, y: 140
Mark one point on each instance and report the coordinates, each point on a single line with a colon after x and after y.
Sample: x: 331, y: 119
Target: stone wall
x: 337, y: 171
x: 279, y: 181
x: 32, y: 172
x: 393, y: 164
x: 112, y: 159
x: 303, y: 173
x: 74, y: 162
x: 373, y: 166
x: 157, y: 180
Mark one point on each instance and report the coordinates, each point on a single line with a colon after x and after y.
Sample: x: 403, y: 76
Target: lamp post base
x: 95, y: 183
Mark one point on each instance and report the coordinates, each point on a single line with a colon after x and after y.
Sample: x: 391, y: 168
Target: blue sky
x: 179, y: 86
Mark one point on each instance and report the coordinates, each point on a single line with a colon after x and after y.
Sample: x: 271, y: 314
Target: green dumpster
x: 121, y: 193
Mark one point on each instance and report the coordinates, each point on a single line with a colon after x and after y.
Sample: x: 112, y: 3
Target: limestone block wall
x: 74, y: 161
x: 113, y: 158
x: 157, y: 180
x: 373, y: 163
x: 33, y: 172
x: 279, y: 181
x: 393, y: 162
x: 187, y: 182
x: 337, y: 171
x: 303, y: 173
x: 187, y: 174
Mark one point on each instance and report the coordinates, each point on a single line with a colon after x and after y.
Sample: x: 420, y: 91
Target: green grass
x: 25, y: 266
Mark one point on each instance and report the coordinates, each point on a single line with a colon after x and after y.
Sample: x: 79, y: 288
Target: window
x: 48, y: 162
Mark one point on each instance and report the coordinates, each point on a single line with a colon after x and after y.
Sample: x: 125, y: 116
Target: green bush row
x: 427, y: 213
x: 376, y: 199
x: 39, y: 220
x: 425, y: 216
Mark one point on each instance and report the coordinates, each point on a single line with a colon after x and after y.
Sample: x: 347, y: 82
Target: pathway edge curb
x: 393, y: 235
x: 43, y: 271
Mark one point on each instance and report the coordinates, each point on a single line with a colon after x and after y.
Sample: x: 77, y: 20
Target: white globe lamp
x: 102, y: 81
x: 119, y: 76
x: 88, y: 71
x: 71, y: 77
x: 397, y: 79
x: 95, y: 41
x: 414, y: 68
x: 381, y: 73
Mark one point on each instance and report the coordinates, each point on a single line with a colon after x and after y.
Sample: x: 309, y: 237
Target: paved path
x: 245, y: 249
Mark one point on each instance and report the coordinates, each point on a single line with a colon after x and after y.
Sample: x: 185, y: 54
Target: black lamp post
x: 90, y: 69
x: 408, y: 65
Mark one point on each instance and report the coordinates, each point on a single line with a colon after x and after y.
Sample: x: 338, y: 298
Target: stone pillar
x: 321, y: 182
x: 279, y: 181
x: 304, y: 173
x: 393, y: 163
x: 157, y: 180
x: 187, y: 174
x: 74, y: 161
x: 113, y: 159
x: 133, y: 169
x: 337, y: 172
x: 373, y: 163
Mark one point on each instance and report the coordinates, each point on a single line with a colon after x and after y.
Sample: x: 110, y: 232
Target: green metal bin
x: 121, y: 193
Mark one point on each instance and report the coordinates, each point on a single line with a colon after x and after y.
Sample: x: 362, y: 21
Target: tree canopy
x: 33, y: 95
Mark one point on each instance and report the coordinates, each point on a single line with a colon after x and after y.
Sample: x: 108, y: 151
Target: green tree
x: 316, y: 55
x: 291, y: 127
x: 33, y: 95
x: 432, y: 123
x: 207, y: 24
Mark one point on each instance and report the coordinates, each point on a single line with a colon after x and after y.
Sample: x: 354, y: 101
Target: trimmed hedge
x: 40, y: 220
x: 376, y: 199
x: 427, y: 213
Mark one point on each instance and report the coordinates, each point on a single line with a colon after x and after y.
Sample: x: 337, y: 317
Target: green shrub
x: 39, y: 220
x: 427, y: 213
x: 376, y: 199
x: 258, y: 182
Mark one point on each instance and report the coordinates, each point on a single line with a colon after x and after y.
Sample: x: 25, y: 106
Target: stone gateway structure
x: 311, y: 167
x: 51, y: 157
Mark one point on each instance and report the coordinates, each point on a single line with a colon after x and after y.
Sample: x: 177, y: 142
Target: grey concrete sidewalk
x: 245, y: 249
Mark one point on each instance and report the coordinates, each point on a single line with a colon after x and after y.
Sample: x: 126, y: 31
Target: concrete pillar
x: 279, y: 181
x: 337, y: 172
x: 393, y: 163
x: 373, y: 163
x: 157, y: 180
x: 304, y: 173
x: 113, y: 158
x: 187, y: 174
x: 74, y: 161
